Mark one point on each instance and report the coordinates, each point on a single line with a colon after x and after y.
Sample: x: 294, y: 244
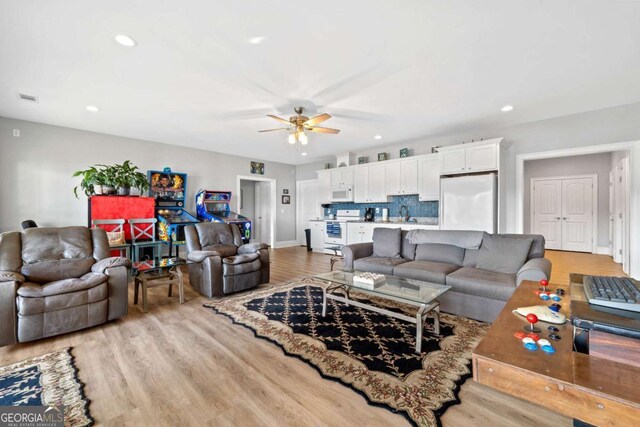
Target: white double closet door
x: 563, y: 211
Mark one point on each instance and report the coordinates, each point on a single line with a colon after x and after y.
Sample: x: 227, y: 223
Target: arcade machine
x: 213, y: 206
x: 169, y: 190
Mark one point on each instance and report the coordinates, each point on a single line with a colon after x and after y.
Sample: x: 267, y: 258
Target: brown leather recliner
x: 58, y: 280
x: 221, y: 264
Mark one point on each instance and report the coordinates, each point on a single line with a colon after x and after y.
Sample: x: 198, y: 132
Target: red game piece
x: 544, y: 283
x: 532, y: 319
x: 519, y: 335
x: 533, y: 336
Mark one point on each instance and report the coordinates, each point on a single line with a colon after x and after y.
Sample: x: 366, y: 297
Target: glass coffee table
x: 153, y: 273
x: 413, y: 292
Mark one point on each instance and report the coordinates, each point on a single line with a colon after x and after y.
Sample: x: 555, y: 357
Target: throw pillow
x: 503, y: 254
x: 116, y: 238
x: 387, y: 242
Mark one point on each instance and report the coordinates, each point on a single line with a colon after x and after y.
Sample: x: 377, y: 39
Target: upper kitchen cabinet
x: 369, y: 184
x: 342, y: 177
x: 429, y: 178
x: 468, y: 158
x: 324, y: 186
x: 401, y: 177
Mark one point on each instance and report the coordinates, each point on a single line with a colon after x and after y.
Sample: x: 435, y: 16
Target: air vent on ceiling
x: 28, y: 98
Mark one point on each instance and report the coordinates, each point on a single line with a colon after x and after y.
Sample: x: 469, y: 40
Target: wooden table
x: 150, y: 274
x: 594, y: 390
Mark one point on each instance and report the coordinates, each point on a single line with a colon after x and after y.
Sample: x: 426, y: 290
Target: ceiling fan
x: 299, y: 124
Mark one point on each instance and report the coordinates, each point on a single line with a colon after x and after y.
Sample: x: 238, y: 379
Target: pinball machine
x: 214, y: 206
x: 169, y: 190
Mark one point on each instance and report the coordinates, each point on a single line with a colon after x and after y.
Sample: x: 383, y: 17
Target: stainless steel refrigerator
x: 469, y: 203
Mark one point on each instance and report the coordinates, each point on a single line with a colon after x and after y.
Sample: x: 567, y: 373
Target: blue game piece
x: 531, y: 346
x: 554, y: 308
x: 556, y: 298
x: 544, y: 297
x: 548, y: 349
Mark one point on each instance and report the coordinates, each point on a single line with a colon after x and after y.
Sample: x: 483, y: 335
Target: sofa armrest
x: 350, y: 253
x: 8, y: 312
x: 11, y: 276
x: 199, y: 256
x: 115, y: 261
x: 250, y: 248
x: 535, y: 270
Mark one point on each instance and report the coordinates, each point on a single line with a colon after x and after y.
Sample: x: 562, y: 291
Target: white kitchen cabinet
x: 473, y: 157
x: 453, y: 161
x: 482, y: 158
x: 360, y: 232
x: 429, y: 178
x: 317, y: 235
x: 341, y: 177
x: 401, y: 177
x: 369, y: 184
x: 324, y: 186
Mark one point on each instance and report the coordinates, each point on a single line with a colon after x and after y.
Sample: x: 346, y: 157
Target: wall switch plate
x: 16, y: 133
x: 377, y: 211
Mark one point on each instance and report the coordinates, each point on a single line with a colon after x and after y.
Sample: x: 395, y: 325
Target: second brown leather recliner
x: 220, y: 263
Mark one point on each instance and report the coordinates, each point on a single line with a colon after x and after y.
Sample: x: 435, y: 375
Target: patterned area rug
x: 50, y: 380
x: 372, y: 353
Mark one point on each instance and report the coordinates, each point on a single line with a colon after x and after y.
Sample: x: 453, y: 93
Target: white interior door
x: 577, y: 214
x: 307, y: 207
x: 547, y: 211
x: 262, y: 223
x: 612, y: 214
x: 620, y: 236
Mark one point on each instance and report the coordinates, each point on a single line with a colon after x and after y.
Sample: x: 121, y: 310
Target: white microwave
x: 342, y: 194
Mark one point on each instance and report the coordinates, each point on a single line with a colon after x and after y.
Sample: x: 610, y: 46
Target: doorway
x: 257, y: 201
x: 307, y: 206
x: 565, y: 211
x: 619, y: 212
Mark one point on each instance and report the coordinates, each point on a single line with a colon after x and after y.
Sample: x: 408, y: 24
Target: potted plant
x: 127, y: 177
x: 89, y: 183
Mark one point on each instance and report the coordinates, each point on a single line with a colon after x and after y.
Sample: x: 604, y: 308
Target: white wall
x: 248, y: 198
x: 36, y: 169
x: 599, y: 164
x: 616, y: 124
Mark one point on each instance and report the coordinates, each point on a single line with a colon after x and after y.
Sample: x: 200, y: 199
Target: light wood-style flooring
x: 185, y: 365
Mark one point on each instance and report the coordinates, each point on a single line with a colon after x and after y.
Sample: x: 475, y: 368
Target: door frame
x: 301, y: 239
x: 594, y: 204
x: 273, y: 204
x: 633, y: 189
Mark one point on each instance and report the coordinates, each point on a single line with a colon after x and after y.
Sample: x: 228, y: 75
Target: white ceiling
x: 402, y: 69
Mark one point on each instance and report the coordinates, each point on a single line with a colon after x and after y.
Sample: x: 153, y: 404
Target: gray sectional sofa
x: 482, y: 269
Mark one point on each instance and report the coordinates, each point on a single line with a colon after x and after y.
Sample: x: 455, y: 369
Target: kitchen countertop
x: 419, y: 221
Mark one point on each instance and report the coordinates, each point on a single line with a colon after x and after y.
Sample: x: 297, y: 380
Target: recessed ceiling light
x: 125, y: 40
x: 93, y: 108
x: 256, y: 40
x: 507, y: 108
x: 378, y: 137
x: 304, y: 154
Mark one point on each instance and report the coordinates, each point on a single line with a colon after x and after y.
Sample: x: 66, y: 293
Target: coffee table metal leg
x: 419, y: 327
x: 436, y: 320
x: 180, y: 284
x: 324, y: 301
x: 144, y: 294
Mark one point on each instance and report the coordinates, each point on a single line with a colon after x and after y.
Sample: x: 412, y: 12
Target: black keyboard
x: 614, y: 292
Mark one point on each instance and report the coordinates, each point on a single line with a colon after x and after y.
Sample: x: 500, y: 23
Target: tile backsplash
x: 415, y: 206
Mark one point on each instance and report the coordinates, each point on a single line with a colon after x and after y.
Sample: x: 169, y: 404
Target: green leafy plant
x: 109, y: 177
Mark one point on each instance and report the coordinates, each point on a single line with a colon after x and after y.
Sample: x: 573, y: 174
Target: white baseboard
x: 287, y: 244
x: 603, y: 250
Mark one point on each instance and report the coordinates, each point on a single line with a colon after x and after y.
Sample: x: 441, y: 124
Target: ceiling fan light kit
x: 299, y: 125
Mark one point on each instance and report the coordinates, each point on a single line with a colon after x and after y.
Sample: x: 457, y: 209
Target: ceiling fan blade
x: 317, y: 119
x: 280, y: 119
x: 322, y: 130
x: 271, y: 130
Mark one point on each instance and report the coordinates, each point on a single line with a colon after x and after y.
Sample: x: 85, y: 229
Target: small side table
x: 151, y: 274
x: 336, y: 257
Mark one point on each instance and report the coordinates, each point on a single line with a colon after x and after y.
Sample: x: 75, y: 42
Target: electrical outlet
x: 377, y: 211
x: 16, y: 133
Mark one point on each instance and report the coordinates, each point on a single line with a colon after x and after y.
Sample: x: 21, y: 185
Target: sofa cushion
x: 537, y: 246
x: 470, y: 257
x: 387, y: 242
x: 34, y: 290
x: 408, y: 248
x: 374, y: 264
x: 437, y: 252
x: 241, y: 268
x: 484, y: 283
x: 428, y: 271
x: 214, y: 233
x: 503, y: 254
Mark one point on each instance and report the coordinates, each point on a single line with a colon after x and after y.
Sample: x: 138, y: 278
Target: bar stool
x: 115, y: 234
x: 143, y: 235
